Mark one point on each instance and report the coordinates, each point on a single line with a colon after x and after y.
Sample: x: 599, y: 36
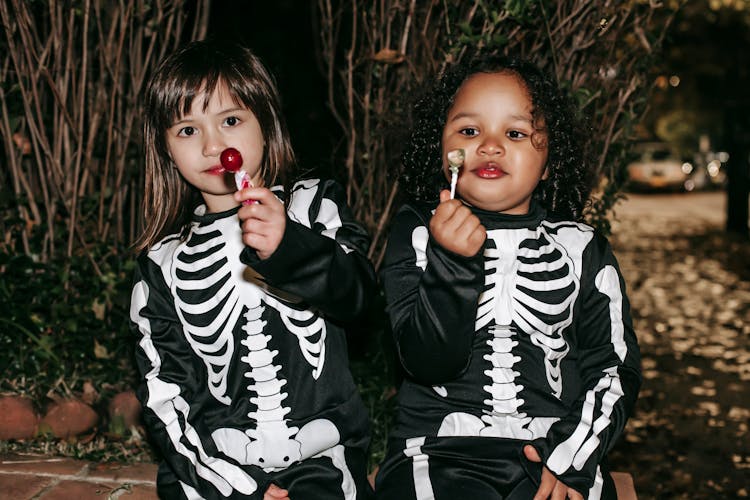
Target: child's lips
x: 489, y: 171
x: 216, y: 170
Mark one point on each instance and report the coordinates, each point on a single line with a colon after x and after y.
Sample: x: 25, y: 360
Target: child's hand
x: 550, y: 486
x: 455, y: 228
x: 262, y: 223
x: 275, y: 493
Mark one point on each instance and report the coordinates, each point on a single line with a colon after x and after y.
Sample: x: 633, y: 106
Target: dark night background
x: 688, y: 276
x: 280, y: 32
x: 709, y: 51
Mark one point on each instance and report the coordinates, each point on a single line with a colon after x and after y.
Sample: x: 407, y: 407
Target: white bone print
x: 210, y: 260
x: 272, y: 444
x: 518, y: 264
x: 305, y: 326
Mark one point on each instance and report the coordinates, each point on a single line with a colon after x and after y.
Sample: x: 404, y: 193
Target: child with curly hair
x: 509, y: 313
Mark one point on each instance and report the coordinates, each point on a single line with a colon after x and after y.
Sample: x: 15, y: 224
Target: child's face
x: 491, y: 121
x: 197, y: 139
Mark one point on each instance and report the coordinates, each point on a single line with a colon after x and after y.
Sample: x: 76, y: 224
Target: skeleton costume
x: 528, y: 342
x: 245, y: 377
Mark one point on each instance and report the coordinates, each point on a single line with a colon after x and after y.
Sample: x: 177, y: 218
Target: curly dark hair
x: 566, y: 190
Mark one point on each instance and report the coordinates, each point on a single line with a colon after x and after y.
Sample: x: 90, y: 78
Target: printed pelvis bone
x: 272, y: 444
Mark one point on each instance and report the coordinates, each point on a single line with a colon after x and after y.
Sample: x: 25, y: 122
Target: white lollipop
x: 455, y: 161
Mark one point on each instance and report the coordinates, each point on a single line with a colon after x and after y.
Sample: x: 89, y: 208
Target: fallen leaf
x: 389, y: 56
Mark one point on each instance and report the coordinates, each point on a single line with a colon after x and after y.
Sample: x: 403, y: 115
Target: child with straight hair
x: 509, y: 313
x: 240, y: 305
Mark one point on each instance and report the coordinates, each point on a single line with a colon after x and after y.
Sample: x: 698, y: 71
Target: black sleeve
x: 171, y: 400
x: 322, y: 257
x: 609, y: 361
x: 431, y: 297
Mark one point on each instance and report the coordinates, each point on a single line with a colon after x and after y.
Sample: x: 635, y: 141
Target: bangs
x: 180, y: 96
x: 200, y: 77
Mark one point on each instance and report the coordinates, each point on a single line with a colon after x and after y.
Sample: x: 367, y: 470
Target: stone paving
x: 34, y: 477
x: 43, y: 478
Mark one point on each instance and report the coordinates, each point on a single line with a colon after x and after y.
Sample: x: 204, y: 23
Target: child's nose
x: 213, y: 144
x: 491, y: 146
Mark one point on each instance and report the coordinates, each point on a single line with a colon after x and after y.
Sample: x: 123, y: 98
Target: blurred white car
x: 658, y: 167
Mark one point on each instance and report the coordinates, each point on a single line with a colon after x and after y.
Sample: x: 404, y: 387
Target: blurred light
x: 689, y: 185
x: 704, y: 143
x: 674, y: 80
x: 723, y: 156
x: 608, y: 73
x: 713, y: 168
x: 687, y: 167
x: 661, y: 82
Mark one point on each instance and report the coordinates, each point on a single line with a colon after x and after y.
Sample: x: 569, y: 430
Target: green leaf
x: 42, y: 342
x: 465, y: 28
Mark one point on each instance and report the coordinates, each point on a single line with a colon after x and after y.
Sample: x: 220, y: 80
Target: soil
x: 689, y: 288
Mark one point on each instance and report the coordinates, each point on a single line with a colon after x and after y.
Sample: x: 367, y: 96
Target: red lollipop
x: 231, y: 160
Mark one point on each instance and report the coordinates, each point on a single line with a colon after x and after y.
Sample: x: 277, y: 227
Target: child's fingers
x: 451, y: 213
x: 559, y: 492
x: 263, y: 195
x: 461, y: 221
x: 546, y: 485
x: 476, y: 238
x: 531, y: 453
x: 256, y: 225
x: 276, y: 493
x: 445, y: 210
x: 262, y: 228
x: 470, y: 238
x: 572, y: 494
x: 257, y: 211
x: 445, y: 195
x: 261, y: 243
x: 262, y: 235
x: 277, y: 490
x: 244, y: 194
x: 465, y: 223
x: 457, y: 229
x: 266, y: 211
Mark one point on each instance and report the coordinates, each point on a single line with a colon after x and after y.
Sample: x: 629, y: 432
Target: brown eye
x: 186, y: 132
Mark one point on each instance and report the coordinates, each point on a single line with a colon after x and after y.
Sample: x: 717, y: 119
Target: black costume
x: 245, y: 377
x: 528, y: 342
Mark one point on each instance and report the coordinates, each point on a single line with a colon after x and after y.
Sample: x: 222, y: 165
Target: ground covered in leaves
x: 689, y: 287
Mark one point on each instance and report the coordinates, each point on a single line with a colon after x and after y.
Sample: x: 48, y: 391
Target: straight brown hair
x: 198, y: 69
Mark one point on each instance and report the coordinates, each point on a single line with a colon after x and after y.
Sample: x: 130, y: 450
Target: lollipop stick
x: 231, y: 160
x: 455, y: 161
x: 242, y: 180
x: 454, y: 180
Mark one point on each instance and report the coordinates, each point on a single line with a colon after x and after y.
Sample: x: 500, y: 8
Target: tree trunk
x: 737, y: 135
x: 738, y: 190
